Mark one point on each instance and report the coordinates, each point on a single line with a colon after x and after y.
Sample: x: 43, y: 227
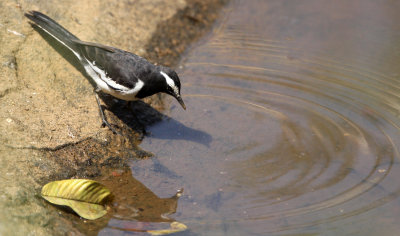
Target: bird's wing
x: 118, y: 65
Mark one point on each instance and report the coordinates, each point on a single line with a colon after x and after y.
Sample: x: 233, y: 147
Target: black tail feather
x: 53, y: 28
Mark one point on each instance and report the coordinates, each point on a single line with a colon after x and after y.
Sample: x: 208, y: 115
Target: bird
x: 119, y: 73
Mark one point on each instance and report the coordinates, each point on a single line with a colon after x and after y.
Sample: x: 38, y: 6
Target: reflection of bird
x: 119, y: 73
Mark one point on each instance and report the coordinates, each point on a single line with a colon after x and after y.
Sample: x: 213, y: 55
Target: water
x: 292, y: 124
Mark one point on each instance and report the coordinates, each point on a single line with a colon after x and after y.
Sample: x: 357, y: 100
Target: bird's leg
x: 102, y: 115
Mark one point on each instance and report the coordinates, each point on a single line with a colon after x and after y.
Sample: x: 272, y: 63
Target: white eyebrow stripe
x: 170, y: 82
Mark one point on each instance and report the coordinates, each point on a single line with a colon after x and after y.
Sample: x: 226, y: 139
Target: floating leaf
x: 86, y: 197
x: 175, y: 227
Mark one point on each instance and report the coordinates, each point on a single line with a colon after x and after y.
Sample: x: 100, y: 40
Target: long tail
x: 55, y: 30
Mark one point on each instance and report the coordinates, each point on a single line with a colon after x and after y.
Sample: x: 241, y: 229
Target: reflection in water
x: 135, y: 207
x: 297, y: 107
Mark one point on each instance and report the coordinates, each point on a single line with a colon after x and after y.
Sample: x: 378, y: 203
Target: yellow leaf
x: 85, y: 197
x: 175, y: 227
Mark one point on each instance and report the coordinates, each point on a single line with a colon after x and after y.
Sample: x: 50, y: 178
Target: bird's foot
x: 105, y: 123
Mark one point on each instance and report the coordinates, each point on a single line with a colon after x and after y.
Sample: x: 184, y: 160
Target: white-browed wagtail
x: 116, y: 72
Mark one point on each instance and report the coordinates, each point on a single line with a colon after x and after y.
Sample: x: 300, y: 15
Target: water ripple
x: 304, y: 128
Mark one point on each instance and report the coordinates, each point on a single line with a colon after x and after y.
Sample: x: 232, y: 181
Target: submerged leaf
x: 175, y: 227
x: 85, y: 197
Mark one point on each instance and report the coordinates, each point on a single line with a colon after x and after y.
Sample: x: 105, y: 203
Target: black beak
x: 179, y: 98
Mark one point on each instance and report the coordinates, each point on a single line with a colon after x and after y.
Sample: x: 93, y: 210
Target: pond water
x: 292, y: 124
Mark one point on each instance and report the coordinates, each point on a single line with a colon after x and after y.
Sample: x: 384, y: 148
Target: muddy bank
x: 49, y: 122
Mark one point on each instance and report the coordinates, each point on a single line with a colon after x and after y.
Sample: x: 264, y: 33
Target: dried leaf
x: 86, y: 197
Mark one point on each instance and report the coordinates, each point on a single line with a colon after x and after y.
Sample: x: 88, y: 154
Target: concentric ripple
x: 292, y: 124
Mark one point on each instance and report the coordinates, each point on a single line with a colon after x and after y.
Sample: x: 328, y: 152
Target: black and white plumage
x: 116, y: 72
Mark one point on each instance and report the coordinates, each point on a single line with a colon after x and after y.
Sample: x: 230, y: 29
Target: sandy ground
x: 49, y: 120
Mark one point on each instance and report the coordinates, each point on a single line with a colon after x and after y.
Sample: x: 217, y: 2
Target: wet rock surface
x: 49, y: 120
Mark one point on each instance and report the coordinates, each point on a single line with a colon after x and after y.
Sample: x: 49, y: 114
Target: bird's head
x: 173, y: 85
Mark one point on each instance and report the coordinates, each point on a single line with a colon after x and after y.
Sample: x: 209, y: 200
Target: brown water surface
x: 292, y: 124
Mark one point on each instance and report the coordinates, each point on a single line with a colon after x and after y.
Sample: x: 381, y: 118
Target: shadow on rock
x: 138, y: 115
